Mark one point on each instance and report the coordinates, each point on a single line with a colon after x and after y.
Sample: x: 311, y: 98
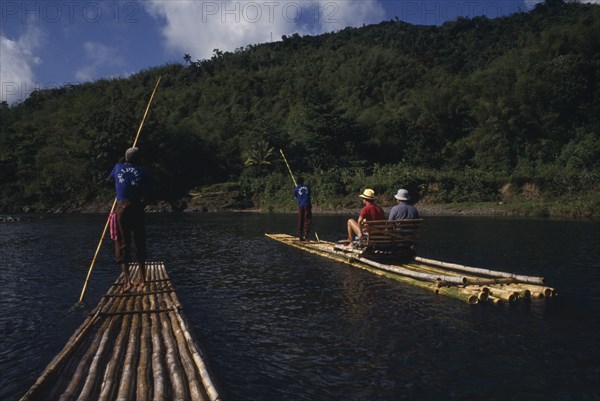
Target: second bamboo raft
x: 133, y: 346
x: 470, y: 284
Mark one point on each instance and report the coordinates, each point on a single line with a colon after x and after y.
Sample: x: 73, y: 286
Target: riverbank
x: 524, y: 209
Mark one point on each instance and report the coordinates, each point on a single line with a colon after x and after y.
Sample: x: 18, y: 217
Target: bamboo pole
x: 55, y: 366
x: 413, y: 274
x: 190, y: 373
x: 98, y: 360
x: 41, y: 386
x: 490, y: 281
x: 433, y: 270
x: 470, y: 280
x: 538, y: 291
x: 125, y: 388
x: 481, y: 294
x: 288, y: 167
x: 458, y: 293
x: 205, y: 377
x: 85, y: 362
x: 172, y: 361
x: 504, y: 294
x: 77, y: 378
x: 177, y: 359
x: 189, y: 368
x: 495, y: 300
x: 109, y: 384
x: 194, y: 366
x: 522, y: 293
x: 158, y: 373
x: 486, y: 272
x: 87, y: 278
x: 142, y: 389
x: 68, y: 369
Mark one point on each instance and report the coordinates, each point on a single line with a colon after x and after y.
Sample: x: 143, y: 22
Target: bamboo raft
x: 470, y: 284
x: 133, y: 346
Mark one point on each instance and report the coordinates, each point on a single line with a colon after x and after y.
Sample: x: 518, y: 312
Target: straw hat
x: 367, y: 194
x: 402, y: 195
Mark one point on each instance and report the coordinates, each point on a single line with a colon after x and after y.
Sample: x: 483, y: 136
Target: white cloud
x: 198, y: 27
x: 17, y: 59
x: 98, y: 55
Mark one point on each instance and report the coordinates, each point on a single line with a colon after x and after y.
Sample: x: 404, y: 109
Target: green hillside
x: 503, y: 110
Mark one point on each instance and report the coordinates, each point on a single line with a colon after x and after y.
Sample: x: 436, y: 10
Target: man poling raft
x: 302, y: 193
x: 131, y: 186
x: 108, y: 220
x: 135, y: 345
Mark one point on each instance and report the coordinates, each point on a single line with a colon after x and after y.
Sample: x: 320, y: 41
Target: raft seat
x: 390, y: 236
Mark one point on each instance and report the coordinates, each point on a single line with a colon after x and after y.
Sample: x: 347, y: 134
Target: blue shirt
x: 403, y: 211
x: 130, y: 181
x: 302, y: 193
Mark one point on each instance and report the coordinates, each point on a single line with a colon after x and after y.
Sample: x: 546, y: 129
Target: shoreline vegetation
x: 537, y: 209
x: 476, y: 116
x: 225, y: 198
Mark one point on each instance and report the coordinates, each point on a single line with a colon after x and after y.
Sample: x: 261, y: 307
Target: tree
x: 259, y: 155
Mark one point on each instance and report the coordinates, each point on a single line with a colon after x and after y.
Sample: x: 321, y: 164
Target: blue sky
x: 54, y: 43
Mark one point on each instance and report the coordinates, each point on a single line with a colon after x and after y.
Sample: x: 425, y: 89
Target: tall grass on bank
x: 543, y: 192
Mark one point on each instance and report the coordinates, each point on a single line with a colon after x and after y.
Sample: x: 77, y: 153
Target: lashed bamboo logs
x: 482, y: 294
x: 143, y: 386
x: 194, y: 386
x: 495, y: 300
x: 486, y: 272
x: 159, y: 376
x: 115, y: 362
x: 447, y: 279
x: 134, y: 346
x: 325, y: 249
x: 413, y: 274
x: 505, y: 294
x: 125, y: 386
x: 538, y: 291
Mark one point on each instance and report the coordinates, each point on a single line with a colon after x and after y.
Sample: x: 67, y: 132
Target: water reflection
x: 280, y: 324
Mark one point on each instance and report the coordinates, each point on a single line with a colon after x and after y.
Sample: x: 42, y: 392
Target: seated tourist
x: 403, y: 210
x: 370, y: 211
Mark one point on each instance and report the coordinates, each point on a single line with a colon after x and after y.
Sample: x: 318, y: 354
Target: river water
x: 279, y: 324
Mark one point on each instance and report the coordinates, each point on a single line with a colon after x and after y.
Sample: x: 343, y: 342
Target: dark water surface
x: 279, y: 324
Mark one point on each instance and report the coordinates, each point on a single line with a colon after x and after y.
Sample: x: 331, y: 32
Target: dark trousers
x: 304, y: 221
x: 130, y: 221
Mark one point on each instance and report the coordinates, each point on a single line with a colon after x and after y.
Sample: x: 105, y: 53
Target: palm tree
x: 259, y: 155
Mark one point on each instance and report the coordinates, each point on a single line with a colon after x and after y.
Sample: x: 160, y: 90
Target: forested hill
x: 461, y: 111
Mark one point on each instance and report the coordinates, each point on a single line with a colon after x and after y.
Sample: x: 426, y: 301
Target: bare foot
x: 141, y: 285
x: 127, y: 287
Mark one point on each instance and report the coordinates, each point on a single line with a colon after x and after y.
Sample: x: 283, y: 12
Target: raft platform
x: 133, y: 346
x: 470, y: 284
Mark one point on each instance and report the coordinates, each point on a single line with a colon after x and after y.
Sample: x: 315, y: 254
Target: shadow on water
x: 280, y: 324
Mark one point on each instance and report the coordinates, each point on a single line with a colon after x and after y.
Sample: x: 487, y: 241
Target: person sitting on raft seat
x: 370, y: 211
x: 403, y: 209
